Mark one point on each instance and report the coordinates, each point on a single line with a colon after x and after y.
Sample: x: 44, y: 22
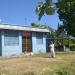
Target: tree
x: 34, y: 25
x: 66, y: 11
x: 45, y: 8
x: 43, y: 26
x: 61, y: 34
x: 60, y: 29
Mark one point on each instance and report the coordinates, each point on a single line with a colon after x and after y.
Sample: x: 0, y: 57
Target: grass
x: 40, y: 64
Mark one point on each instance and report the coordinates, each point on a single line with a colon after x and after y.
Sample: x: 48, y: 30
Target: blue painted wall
x: 8, y: 50
x: 38, y: 48
x: 0, y: 44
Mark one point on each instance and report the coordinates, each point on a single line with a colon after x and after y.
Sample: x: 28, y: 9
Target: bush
x: 72, y: 48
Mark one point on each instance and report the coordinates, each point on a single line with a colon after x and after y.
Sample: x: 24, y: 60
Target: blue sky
x: 22, y: 12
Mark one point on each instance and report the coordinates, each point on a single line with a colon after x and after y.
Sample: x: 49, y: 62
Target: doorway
x: 27, y: 42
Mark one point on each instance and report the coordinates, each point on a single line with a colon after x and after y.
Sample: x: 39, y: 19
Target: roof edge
x: 22, y: 28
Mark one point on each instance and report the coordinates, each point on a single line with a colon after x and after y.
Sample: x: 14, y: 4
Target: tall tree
x: 46, y: 7
x: 66, y: 11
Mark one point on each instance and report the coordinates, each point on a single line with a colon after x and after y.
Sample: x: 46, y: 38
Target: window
x: 11, y: 38
x: 39, y: 38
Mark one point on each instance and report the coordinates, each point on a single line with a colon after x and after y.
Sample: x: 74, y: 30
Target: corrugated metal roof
x: 22, y: 28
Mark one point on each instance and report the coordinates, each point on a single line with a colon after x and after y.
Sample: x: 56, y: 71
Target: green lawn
x: 41, y: 64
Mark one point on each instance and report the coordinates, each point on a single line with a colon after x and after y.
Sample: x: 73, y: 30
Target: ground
x: 40, y: 64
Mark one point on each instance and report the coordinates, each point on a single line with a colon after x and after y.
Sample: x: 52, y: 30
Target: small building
x: 15, y: 40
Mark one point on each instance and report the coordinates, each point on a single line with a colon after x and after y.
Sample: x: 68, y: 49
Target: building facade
x: 15, y: 40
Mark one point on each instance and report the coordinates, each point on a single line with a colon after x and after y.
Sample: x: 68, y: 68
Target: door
x: 27, y: 42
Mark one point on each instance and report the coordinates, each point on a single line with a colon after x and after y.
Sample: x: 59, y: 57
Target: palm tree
x: 46, y: 7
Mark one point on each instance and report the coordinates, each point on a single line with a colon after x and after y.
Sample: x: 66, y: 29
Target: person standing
x: 52, y: 52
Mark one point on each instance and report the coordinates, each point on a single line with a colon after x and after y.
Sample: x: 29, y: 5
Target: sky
x: 22, y: 12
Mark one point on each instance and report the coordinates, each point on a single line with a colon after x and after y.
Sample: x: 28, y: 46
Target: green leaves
x: 48, y: 1
x: 49, y: 11
x: 38, y: 9
x: 45, y: 8
x: 66, y: 11
x: 40, y: 3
